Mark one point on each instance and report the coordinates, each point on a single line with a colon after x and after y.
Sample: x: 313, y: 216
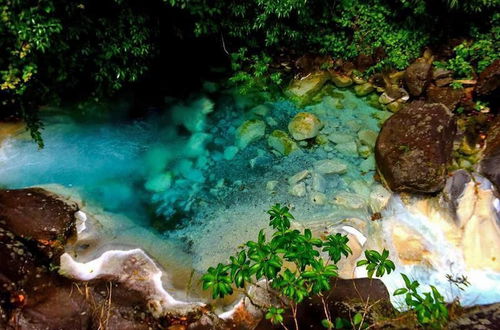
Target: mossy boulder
x: 364, y: 89
x: 340, y: 80
x: 303, y: 90
x: 281, y: 142
x: 304, y: 126
x: 250, y: 131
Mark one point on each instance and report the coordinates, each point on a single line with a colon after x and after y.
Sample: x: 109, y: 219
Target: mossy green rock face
x: 340, y: 80
x: 281, y: 142
x: 250, y: 131
x: 303, y: 90
x: 363, y: 89
x: 304, y: 125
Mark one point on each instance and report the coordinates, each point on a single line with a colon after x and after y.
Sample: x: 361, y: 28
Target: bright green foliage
x: 430, y: 308
x: 377, y: 263
x: 475, y: 55
x: 263, y: 259
x: 336, y: 246
x: 218, y: 280
x: 275, y: 315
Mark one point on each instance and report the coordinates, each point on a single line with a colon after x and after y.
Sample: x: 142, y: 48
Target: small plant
x: 430, y: 308
x: 377, y: 263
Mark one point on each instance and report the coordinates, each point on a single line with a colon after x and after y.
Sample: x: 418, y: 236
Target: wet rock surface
x: 414, y: 147
x: 490, y: 164
x: 416, y: 77
x: 34, y: 226
x: 446, y: 95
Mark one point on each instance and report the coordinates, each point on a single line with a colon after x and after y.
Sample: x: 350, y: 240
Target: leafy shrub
x: 430, y: 308
x: 310, y: 274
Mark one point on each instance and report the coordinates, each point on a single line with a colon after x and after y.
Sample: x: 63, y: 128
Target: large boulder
x: 490, y: 164
x: 417, y: 76
x: 414, y: 147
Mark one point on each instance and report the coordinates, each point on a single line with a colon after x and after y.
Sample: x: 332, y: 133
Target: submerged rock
x: 250, y: 131
x: 304, y: 125
x: 330, y: 166
x: 282, y: 143
x: 414, y: 147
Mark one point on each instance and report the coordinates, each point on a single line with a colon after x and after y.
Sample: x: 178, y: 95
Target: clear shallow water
x: 175, y: 170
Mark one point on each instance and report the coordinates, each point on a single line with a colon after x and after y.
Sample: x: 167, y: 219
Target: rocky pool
x: 200, y: 178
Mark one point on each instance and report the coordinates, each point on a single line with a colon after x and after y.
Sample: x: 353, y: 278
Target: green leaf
x: 400, y: 291
x: 357, y: 319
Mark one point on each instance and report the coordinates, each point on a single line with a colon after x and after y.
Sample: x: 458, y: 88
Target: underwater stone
x: 318, y: 182
x: 159, y: 183
x: 298, y: 177
x: 364, y: 89
x: 318, y: 198
x: 304, y: 125
x: 367, y: 137
x: 368, y: 164
x: 271, y: 121
x: 321, y: 139
x: 349, y: 200
x: 364, y: 151
x: 271, y: 185
x: 330, y: 166
x: 196, y: 144
x: 281, y: 142
x: 360, y: 187
x: 379, y: 197
x: 340, y: 138
x: 250, y: 131
x: 349, y: 148
x: 261, y: 110
x: 298, y: 190
x: 230, y: 152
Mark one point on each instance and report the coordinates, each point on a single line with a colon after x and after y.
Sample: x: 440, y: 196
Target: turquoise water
x: 178, y: 169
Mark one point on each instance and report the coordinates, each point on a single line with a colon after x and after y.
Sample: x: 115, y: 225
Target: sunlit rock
x: 318, y: 182
x: 379, y: 197
x: 367, y: 164
x: 340, y: 80
x: 364, y: 89
x: 330, y: 166
x: 348, y: 148
x: 304, y: 125
x: 250, y: 131
x: 282, y: 143
x: 349, y: 200
x: 271, y: 185
x: 304, y: 89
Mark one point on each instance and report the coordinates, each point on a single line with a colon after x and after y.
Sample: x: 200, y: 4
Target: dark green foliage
x: 430, y: 308
x: 52, y: 47
x: 377, y: 263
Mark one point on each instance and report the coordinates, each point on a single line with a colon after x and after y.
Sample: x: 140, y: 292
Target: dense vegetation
x: 54, y: 50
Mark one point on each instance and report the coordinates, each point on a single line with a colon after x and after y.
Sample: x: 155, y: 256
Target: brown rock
x: 490, y: 164
x: 414, y: 147
x: 443, y: 81
x: 489, y: 79
x: 363, y: 62
x: 416, y: 77
x: 446, y: 95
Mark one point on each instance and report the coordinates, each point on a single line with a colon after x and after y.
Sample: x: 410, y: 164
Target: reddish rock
x: 416, y: 77
x: 446, y: 95
x: 490, y: 164
x: 489, y: 79
x: 414, y: 147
